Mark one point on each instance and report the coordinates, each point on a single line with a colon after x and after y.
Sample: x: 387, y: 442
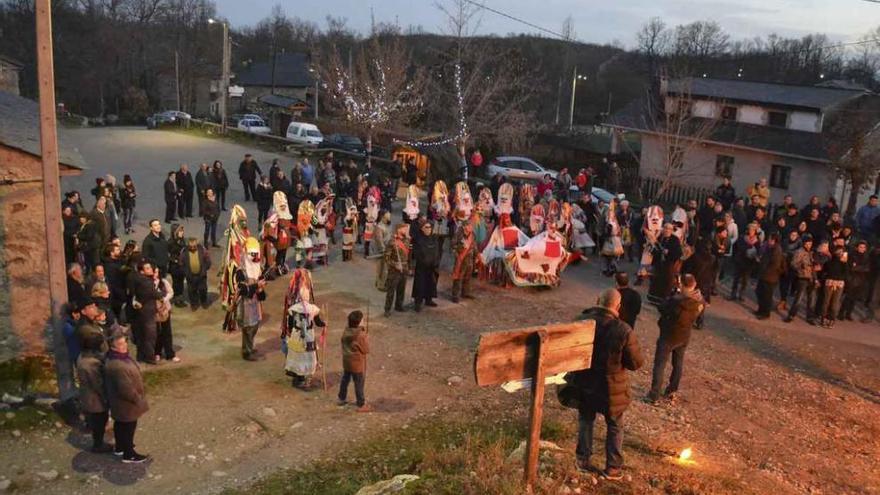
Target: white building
x: 757, y: 130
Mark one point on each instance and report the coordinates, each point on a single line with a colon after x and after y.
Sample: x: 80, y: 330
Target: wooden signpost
x: 533, y: 353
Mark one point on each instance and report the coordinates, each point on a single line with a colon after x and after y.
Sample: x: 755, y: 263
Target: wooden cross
x: 533, y: 353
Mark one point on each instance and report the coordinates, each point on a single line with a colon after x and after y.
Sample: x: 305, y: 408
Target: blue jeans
x: 210, y: 232
x: 613, y: 439
x: 358, y: 379
x: 661, y: 357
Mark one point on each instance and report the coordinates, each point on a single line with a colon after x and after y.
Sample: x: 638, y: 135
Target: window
x: 511, y: 164
x: 728, y: 113
x: 723, y: 166
x: 780, y: 176
x: 683, y: 107
x: 777, y: 119
x: 530, y: 167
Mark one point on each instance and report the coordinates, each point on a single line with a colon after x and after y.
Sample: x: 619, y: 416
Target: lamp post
x: 224, y: 83
x: 317, y: 81
x: 575, y: 77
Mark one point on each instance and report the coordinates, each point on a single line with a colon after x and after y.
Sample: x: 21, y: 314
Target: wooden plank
x: 539, y: 344
x: 505, y: 356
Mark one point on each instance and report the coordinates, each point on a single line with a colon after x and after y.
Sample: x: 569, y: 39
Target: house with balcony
x: 712, y: 128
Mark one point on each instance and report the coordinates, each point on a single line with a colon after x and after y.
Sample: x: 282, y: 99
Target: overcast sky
x: 599, y: 21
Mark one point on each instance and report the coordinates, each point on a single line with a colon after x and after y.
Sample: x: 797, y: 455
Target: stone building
x: 24, y: 283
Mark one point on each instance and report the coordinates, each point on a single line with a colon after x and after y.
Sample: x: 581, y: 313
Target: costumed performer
x: 237, y: 234
x: 298, y: 337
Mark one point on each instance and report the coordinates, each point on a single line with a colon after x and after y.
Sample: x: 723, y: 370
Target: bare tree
x: 652, y: 41
x: 383, y: 87
x: 671, y: 118
x: 853, y: 143
x: 481, y: 90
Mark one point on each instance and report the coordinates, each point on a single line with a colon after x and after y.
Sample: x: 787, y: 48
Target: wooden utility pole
x: 177, y: 78
x: 574, y: 78
x: 52, y: 193
x: 540, y: 340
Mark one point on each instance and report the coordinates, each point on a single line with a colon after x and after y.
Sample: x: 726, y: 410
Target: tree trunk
x: 462, y: 153
x: 369, y: 148
x: 853, y: 199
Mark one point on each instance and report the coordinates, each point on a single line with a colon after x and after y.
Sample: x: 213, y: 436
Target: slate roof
x: 20, y: 129
x: 775, y: 140
x: 291, y: 71
x: 281, y: 101
x: 785, y: 95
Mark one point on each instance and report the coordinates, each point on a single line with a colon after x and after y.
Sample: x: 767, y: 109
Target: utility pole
x: 224, y: 84
x: 316, y: 97
x: 177, y: 77
x: 558, y: 100
x: 52, y: 194
x: 573, y: 92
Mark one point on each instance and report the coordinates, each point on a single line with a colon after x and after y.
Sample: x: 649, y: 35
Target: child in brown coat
x: 355, y: 348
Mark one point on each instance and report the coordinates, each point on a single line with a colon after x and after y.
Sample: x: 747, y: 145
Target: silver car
x: 518, y: 168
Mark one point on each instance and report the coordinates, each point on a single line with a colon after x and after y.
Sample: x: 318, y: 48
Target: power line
x: 525, y: 22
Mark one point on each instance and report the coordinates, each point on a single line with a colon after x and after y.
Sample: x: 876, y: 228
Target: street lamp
x: 224, y: 83
x: 315, y: 75
x: 574, y: 79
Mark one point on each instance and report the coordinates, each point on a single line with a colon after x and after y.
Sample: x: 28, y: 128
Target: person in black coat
x: 604, y: 387
x: 88, y: 242
x: 248, y: 171
x: 204, y: 181
x: 112, y: 262
x: 263, y: 196
x: 666, y: 263
x: 771, y: 266
x: 630, y: 300
x: 426, y: 254
x: 726, y: 193
x: 176, y: 245
x: 221, y: 183
x: 186, y: 186
x: 171, y: 195
x: 154, y: 248
x: 146, y: 296
x: 211, y: 214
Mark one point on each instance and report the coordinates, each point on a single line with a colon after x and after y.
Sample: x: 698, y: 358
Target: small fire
x: 685, y: 454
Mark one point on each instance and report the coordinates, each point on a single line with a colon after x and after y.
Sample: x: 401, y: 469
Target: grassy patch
x: 26, y: 418
x: 34, y: 374
x: 155, y: 380
x: 455, y: 456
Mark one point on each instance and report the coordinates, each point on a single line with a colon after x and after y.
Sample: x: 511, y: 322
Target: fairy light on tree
x: 381, y: 89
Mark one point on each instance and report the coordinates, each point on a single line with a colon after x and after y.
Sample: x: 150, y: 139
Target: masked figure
x: 540, y: 261
x: 526, y: 202
x: 299, y: 340
x: 505, y: 200
x: 652, y: 225
x: 251, y: 295
x: 371, y: 216
x: 233, y: 258
x: 464, y: 203
x: 536, y: 219
x: 277, y: 236
x: 349, y: 229
x: 411, y: 209
x: 304, y: 244
x: 504, y: 239
x: 320, y: 222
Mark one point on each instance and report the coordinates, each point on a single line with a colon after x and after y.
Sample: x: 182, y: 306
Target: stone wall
x: 24, y: 281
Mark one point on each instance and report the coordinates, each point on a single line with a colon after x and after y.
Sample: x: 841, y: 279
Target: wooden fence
x: 674, y: 194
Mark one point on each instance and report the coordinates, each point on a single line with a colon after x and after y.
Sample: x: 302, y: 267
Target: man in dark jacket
x: 204, y: 181
x: 859, y: 269
x: 677, y: 318
x: 76, y: 290
x: 126, y: 397
x: 211, y: 214
x: 725, y: 193
x: 772, y: 267
x: 155, y: 247
x: 186, y: 186
x: 146, y: 295
x: 196, y: 262
x: 92, y: 393
x: 630, y: 300
x: 605, y: 386
x: 171, y: 195
x: 248, y: 170
x: 426, y: 254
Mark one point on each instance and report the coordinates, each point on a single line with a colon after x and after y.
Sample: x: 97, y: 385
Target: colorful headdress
x: 412, y: 202
x: 485, y: 203
x: 440, y: 193
x: 237, y: 234
x: 536, y: 219
x: 464, y: 203
x: 279, y: 203
x: 505, y: 199
x: 299, y: 291
x: 304, y: 217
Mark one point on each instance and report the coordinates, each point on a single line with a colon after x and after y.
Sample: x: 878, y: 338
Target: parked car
x: 158, y: 119
x: 600, y: 194
x: 177, y: 114
x: 234, y: 119
x: 518, y: 168
x: 345, y: 142
x: 256, y: 126
x: 304, y: 133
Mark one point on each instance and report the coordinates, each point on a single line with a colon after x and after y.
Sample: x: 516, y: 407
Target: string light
x: 372, y: 106
x: 462, y: 122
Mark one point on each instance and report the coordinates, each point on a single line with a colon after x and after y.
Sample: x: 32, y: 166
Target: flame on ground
x: 685, y: 454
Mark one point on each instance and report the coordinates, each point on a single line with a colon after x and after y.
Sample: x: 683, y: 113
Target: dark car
x: 344, y: 142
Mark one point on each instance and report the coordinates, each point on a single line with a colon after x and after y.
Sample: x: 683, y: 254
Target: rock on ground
x: 519, y: 453
x: 393, y: 485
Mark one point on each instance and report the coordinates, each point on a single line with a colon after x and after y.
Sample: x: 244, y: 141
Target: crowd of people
x: 513, y: 234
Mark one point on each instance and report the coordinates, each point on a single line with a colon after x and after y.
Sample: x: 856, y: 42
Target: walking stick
x: 324, y: 350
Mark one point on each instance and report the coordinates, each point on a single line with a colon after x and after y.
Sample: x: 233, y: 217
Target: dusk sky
x: 594, y: 20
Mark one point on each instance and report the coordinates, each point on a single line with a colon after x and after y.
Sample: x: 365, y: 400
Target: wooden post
x: 52, y: 193
x: 324, y: 350
x: 540, y: 339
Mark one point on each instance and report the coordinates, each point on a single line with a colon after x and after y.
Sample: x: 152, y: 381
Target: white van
x: 304, y: 133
